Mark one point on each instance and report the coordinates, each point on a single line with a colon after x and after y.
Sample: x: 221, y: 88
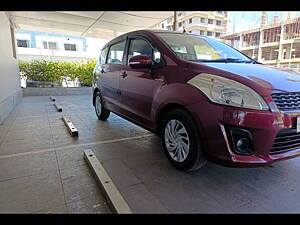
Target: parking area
x: 42, y: 168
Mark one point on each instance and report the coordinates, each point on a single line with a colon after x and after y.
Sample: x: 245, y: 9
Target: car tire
x: 181, y: 141
x: 101, y: 112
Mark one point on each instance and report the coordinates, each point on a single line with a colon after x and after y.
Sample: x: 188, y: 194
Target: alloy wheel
x: 177, y: 140
x: 98, y: 105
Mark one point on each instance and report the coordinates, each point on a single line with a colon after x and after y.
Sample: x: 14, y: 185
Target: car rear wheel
x: 101, y: 112
x: 181, y: 141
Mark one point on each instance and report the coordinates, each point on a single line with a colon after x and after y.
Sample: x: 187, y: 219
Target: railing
x: 51, y: 53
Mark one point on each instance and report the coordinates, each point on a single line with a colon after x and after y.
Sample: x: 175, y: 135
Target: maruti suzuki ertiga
x: 205, y: 99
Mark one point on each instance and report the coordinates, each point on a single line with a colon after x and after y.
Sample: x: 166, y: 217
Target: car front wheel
x: 181, y: 141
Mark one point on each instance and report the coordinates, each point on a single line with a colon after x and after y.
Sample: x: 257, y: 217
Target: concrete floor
x: 42, y: 169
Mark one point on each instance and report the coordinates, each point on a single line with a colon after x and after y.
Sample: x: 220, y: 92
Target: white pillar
x: 241, y: 42
x: 280, y: 45
x: 261, y: 39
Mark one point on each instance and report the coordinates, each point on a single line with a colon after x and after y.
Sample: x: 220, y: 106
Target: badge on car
x: 298, y: 124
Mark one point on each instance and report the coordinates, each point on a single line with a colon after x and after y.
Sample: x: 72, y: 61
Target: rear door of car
x: 109, y: 79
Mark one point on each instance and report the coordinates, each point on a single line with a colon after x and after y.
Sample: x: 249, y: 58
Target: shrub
x: 56, y: 71
x: 85, y: 72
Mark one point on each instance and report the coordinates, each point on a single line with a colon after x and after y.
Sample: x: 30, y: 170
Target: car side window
x: 115, y: 54
x: 142, y: 47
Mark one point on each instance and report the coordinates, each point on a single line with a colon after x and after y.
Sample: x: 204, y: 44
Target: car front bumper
x: 213, y: 120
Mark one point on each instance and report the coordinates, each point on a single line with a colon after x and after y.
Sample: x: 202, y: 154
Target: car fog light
x: 240, y: 140
x: 243, y: 145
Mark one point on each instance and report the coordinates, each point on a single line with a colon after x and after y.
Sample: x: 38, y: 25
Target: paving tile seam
x: 29, y: 175
x: 7, y: 131
x: 249, y: 201
x: 41, y: 210
x: 236, y: 209
x: 60, y: 177
x: 54, y: 112
x: 69, y: 203
x: 232, y: 209
x: 146, y: 188
x: 77, y: 145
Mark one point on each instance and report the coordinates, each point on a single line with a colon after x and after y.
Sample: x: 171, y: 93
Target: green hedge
x: 55, y: 71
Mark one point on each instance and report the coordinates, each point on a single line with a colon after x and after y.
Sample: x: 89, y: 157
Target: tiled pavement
x: 42, y: 169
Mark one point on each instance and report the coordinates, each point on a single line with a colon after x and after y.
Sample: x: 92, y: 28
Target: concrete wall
x: 57, y: 91
x: 10, y: 90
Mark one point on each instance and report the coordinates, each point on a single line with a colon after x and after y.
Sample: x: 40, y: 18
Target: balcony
x: 251, y: 47
x: 39, y: 53
x: 270, y: 44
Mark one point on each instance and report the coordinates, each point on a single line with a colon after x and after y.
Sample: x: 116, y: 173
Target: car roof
x: 123, y: 36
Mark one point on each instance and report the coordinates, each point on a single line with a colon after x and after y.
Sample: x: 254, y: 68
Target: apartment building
x: 276, y: 44
x: 34, y: 45
x: 208, y: 23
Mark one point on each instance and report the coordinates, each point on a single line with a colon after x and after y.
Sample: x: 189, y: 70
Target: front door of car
x: 138, y: 86
x: 110, y: 76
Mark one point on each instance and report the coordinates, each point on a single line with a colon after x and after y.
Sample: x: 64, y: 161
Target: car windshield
x: 202, y: 49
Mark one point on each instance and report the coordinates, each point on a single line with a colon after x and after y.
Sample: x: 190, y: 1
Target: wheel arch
x: 164, y: 110
x: 172, y: 96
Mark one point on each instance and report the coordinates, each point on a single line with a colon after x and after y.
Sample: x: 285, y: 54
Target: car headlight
x: 228, y: 92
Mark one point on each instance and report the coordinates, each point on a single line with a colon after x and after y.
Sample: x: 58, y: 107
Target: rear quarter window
x: 103, y: 56
x: 116, y: 52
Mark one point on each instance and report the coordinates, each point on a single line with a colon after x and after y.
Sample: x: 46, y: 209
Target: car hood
x: 274, y: 79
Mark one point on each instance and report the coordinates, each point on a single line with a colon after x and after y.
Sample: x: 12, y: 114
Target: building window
x: 220, y: 12
x: 209, y: 33
x: 50, y: 45
x: 210, y: 21
x: 190, y: 20
x: 218, y: 23
x: 162, y: 26
x: 202, y: 20
x: 23, y: 43
x: 201, y: 32
x: 70, y: 47
x: 218, y: 34
x: 179, y: 24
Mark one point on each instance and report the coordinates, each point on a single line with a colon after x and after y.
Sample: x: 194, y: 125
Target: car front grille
x: 287, y: 101
x: 286, y: 139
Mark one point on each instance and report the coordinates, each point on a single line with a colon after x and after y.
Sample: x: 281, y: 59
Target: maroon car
x: 205, y: 99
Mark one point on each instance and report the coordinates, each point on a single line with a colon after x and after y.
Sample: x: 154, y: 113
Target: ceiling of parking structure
x: 97, y: 24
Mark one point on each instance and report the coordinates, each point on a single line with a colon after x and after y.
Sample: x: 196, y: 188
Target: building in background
x: 276, y: 43
x: 34, y: 45
x: 208, y: 23
x: 10, y: 90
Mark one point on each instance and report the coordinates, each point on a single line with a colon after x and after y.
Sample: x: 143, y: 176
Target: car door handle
x: 124, y: 74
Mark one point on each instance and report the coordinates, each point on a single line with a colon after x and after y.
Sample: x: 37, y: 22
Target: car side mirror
x: 140, y: 62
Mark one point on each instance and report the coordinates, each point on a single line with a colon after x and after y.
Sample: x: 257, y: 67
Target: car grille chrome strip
x: 287, y: 101
x: 286, y: 140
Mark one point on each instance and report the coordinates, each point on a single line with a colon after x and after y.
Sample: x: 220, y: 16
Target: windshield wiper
x: 226, y: 60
